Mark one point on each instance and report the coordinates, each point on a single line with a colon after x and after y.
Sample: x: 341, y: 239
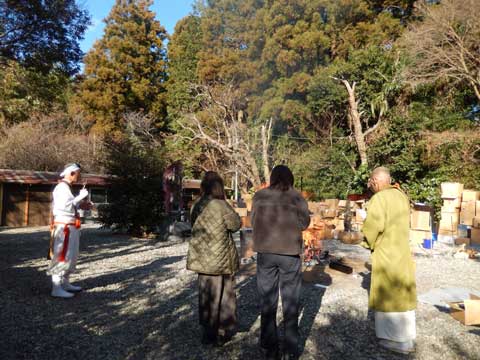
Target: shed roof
x: 191, y: 183
x: 195, y: 184
x: 47, y: 178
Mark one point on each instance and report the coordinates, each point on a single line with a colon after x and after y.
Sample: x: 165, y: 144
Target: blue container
x: 463, y: 231
x: 427, y: 243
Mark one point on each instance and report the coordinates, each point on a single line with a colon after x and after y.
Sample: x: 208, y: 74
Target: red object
x: 357, y: 197
x: 312, y: 239
x: 66, y: 232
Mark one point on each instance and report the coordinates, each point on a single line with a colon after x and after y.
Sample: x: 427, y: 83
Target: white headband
x: 69, y: 169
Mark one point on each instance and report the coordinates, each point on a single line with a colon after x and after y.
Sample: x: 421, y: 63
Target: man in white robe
x: 66, y: 233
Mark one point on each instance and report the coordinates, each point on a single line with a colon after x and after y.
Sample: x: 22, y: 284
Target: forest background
x: 332, y: 88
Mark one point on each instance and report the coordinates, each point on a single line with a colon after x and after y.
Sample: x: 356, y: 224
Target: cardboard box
x: 241, y: 211
x: 463, y: 231
x: 462, y: 240
x: 340, y: 226
x: 448, y: 232
x: 467, y: 212
x: 476, y: 222
x: 357, y: 226
x: 447, y: 209
x: 329, y: 213
x: 312, y: 206
x: 420, y: 220
x: 246, y: 222
x: 316, y: 207
x: 475, y: 236
x: 451, y: 190
x: 449, y: 221
x: 469, y: 313
x: 445, y: 238
x: 470, y: 195
x: 417, y: 236
x: 453, y: 203
x: 358, y: 217
x: 316, y: 221
x: 332, y: 203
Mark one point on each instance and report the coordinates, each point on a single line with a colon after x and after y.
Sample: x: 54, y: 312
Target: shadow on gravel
x: 129, y: 313
x: 249, y: 313
x: 18, y: 247
x: 475, y: 331
x: 350, y: 336
x: 311, y: 300
x: 133, y: 277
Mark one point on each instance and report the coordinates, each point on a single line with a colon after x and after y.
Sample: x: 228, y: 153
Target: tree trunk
x: 266, y: 135
x: 357, y: 123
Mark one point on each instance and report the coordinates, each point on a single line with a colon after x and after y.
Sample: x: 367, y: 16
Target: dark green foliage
x: 136, y: 194
x: 43, y: 35
x: 26, y: 92
x: 288, y: 57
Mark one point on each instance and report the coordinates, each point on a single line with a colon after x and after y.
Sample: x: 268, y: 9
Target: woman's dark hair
x: 281, y: 178
x: 212, y: 185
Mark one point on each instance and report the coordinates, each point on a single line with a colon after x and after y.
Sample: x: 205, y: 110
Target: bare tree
x: 445, y: 45
x: 222, y: 129
x: 141, y: 126
x: 355, y: 121
x: 47, y: 143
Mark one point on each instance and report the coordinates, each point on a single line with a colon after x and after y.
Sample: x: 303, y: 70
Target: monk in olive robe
x: 392, y: 290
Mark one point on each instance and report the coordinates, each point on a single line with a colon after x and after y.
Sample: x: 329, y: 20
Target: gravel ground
x: 140, y: 303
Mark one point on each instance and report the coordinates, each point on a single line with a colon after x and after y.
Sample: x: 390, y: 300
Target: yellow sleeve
x: 374, y: 224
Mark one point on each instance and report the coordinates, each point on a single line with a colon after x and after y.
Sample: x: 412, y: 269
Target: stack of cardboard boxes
x: 459, y: 215
x: 420, y: 224
x: 450, y: 212
x: 330, y: 215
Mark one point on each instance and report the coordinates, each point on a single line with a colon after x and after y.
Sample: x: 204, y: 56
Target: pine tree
x: 183, y: 50
x: 126, y: 69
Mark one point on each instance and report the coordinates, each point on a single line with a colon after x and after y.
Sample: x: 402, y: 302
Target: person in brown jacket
x: 279, y: 215
x: 213, y: 255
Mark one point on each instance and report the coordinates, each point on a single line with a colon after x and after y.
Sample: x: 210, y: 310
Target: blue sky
x: 168, y: 13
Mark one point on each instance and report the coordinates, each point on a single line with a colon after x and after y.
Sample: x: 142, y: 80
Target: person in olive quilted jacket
x: 213, y: 255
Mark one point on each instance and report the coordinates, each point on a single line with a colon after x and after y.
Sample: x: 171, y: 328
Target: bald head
x: 379, y: 179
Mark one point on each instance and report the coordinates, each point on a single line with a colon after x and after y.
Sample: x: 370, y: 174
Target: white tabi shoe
x: 57, y: 290
x: 69, y: 287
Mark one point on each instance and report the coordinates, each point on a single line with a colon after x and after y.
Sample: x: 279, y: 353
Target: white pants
x: 396, y: 326
x: 65, y: 250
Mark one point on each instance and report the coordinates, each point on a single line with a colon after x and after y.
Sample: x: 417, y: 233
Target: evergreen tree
x: 42, y: 35
x: 126, y: 69
x: 136, y: 193
x: 25, y: 92
x: 183, y: 49
x: 291, y: 61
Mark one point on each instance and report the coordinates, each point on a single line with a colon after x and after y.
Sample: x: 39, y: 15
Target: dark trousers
x: 274, y: 271
x: 217, y: 305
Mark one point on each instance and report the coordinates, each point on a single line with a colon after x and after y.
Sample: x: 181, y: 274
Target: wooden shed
x: 26, y: 196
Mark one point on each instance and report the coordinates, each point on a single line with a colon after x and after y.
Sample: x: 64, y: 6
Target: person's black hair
x: 212, y: 185
x: 281, y: 178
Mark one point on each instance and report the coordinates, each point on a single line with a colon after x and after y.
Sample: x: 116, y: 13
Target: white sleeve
x: 63, y: 198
